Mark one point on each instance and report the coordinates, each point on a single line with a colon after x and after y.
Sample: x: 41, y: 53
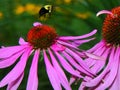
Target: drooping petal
x: 113, y: 72
x: 80, y: 42
x: 105, y: 12
x: 51, y: 73
x: 32, y: 83
x: 64, y: 83
x: 98, y: 51
x: 67, y: 44
x: 15, y: 84
x: 9, y: 61
x: 82, y: 85
x: 72, y: 80
x: 99, y: 65
x: 98, y: 45
x: 116, y: 83
x: 75, y: 64
x: 9, y: 51
x: 17, y: 70
x: 100, y: 77
x: 78, y: 37
x: 58, y: 47
x: 56, y: 64
x: 66, y: 65
x: 79, y: 60
x: 60, y: 72
x: 95, y: 57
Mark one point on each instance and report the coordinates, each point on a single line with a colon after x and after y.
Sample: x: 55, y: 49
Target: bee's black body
x: 46, y: 10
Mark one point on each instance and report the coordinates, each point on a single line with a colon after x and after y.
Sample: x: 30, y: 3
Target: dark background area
x: 70, y: 17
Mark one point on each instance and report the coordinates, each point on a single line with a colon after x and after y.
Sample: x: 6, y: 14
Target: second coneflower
x: 108, y: 70
x: 58, y: 52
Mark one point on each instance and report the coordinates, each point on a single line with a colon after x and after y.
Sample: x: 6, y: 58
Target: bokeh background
x: 70, y: 17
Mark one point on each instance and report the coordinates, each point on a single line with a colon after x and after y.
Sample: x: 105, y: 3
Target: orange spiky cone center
x: 41, y: 36
x: 111, y: 27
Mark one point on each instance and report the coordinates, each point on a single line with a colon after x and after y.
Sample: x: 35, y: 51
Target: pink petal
x: 17, y: 70
x: 98, y: 51
x: 32, y: 83
x: 100, y: 77
x: 60, y: 72
x: 10, y: 60
x: 66, y: 44
x: 98, y: 45
x: 93, y: 56
x: 79, y: 60
x: 51, y: 73
x: 82, y: 86
x: 79, y: 42
x: 9, y: 51
x: 116, y: 83
x: 104, y: 12
x: 64, y: 83
x: 72, y: 80
x: 100, y: 64
x: 75, y: 64
x: 22, y: 41
x: 66, y: 65
x: 36, y: 23
x: 2, y: 46
x: 56, y: 64
x: 113, y: 72
x: 78, y: 37
x: 58, y: 47
x: 15, y: 84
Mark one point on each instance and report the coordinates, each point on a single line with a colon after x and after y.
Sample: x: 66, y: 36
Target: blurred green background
x: 71, y: 17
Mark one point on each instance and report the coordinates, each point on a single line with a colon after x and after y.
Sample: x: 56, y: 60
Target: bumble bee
x: 45, y: 11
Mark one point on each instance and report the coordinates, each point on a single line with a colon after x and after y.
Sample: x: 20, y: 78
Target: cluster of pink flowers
x: 98, y: 67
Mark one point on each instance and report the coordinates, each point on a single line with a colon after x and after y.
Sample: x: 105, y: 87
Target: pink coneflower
x: 59, y: 52
x: 109, y: 47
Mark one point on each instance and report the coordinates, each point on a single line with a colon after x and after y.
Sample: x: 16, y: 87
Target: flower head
x: 111, y: 27
x: 58, y: 52
x: 108, y: 70
x: 41, y: 36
